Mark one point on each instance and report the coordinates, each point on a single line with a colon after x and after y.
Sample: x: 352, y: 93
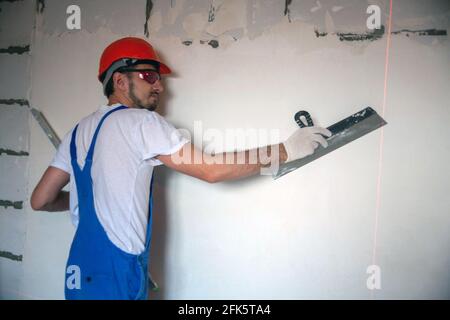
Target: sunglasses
x: 148, y: 75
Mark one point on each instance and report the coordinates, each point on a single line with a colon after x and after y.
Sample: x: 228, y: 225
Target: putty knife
x: 343, y: 132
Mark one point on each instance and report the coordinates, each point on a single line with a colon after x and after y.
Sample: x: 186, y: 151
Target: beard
x: 151, y: 106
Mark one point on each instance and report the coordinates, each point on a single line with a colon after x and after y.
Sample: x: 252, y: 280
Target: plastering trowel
x: 343, y: 132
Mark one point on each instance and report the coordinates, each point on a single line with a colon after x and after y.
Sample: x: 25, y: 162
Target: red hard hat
x: 129, y: 48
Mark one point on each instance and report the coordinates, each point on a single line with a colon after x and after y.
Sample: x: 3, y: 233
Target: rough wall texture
x: 247, y: 64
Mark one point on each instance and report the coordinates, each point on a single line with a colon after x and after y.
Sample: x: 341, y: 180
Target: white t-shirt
x: 122, y: 168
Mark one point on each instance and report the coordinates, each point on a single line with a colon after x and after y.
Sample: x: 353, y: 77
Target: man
x: 110, y: 189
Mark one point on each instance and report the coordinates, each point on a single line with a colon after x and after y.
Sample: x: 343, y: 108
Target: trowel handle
x: 299, y: 121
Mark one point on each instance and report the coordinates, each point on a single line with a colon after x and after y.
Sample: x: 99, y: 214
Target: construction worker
x: 109, y: 157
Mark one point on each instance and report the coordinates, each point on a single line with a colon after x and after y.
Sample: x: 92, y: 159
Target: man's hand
x: 304, y: 141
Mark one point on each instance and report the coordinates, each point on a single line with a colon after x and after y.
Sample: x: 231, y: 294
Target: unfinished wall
x: 249, y: 65
x: 14, y: 141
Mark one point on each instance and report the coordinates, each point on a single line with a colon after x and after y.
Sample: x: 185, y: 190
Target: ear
x: 120, y: 81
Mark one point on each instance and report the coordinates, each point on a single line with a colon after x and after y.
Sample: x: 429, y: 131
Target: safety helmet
x: 127, y: 52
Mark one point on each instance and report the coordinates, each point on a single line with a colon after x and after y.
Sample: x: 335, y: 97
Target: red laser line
x: 380, y: 167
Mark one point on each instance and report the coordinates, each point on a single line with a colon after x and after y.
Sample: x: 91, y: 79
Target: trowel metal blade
x: 345, y: 131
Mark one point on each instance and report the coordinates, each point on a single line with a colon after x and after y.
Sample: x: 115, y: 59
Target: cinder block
x: 14, y: 128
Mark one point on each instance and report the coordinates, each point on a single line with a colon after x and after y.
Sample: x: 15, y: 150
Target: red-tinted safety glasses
x: 148, y: 75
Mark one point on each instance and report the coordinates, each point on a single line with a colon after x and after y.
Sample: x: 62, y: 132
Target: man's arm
x: 215, y: 168
x: 48, y: 194
x: 192, y: 161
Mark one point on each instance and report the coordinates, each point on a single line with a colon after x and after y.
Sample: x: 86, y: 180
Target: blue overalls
x: 96, y: 268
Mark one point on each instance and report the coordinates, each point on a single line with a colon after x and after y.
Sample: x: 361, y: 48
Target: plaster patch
x: 287, y: 11
x: 174, y: 11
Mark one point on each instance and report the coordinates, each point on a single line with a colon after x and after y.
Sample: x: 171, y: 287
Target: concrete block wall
x: 250, y: 65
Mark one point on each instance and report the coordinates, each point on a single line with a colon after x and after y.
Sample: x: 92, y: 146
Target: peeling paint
x: 148, y: 11
x: 15, y: 49
x: 10, y: 152
x: 187, y: 42
x: 369, y: 36
x: 427, y: 32
x: 11, y: 256
x: 21, y: 102
x: 14, y: 204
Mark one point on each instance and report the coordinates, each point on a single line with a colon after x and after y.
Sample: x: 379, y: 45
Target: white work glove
x: 304, y: 141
